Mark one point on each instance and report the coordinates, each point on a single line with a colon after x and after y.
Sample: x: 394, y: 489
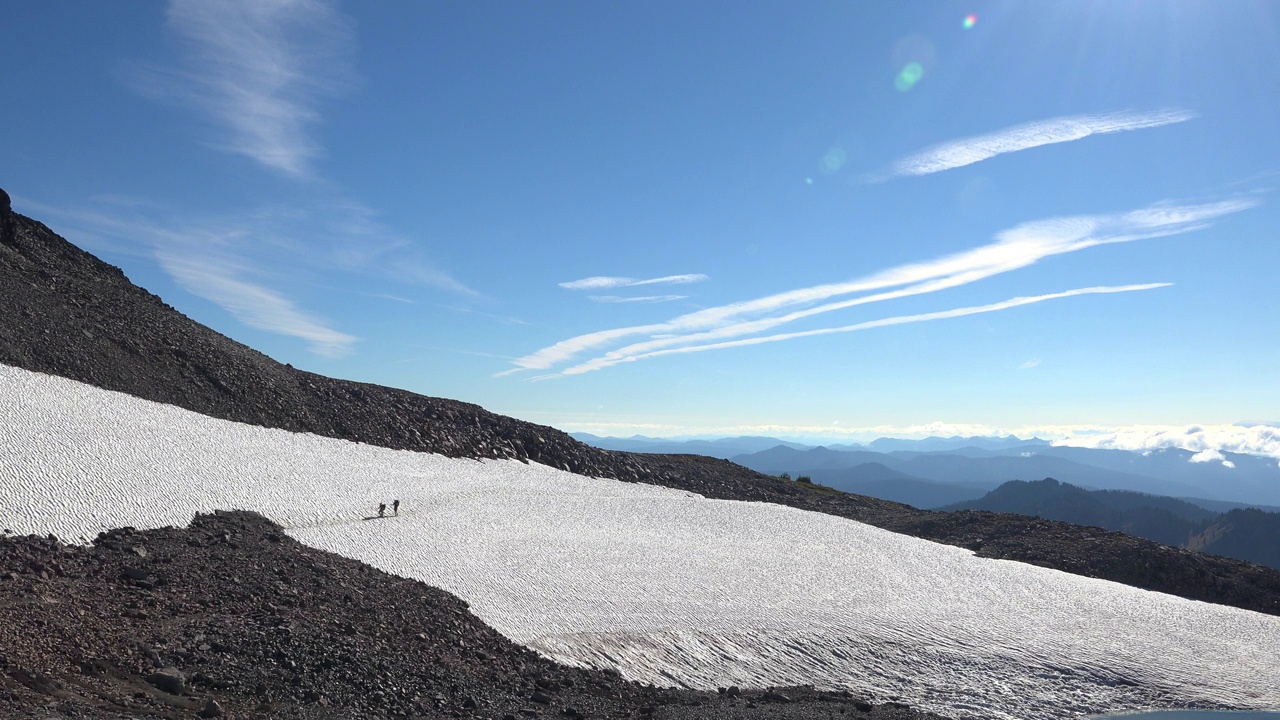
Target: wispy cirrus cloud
x: 641, y: 299
x: 208, y: 259
x: 351, y: 234
x: 966, y: 151
x: 1013, y: 249
x: 610, y: 283
x: 256, y: 69
x: 216, y: 280
x: 613, y: 359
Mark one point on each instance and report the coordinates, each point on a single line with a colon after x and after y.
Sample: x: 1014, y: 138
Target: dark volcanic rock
x: 169, y: 679
x: 64, y: 312
x: 292, y: 632
x: 6, y: 212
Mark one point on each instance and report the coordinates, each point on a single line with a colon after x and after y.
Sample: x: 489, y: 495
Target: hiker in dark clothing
x: 382, y: 509
x: 395, y: 507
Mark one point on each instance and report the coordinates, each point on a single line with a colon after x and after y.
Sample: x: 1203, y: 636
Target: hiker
x: 382, y: 509
x: 395, y: 507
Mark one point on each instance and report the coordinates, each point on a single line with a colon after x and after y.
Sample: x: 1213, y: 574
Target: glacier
x: 662, y: 585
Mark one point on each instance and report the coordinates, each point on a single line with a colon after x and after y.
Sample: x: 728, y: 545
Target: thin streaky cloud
x: 253, y: 305
x: 642, y: 299
x: 609, y: 283
x: 492, y: 316
x: 358, y: 240
x: 601, y: 363
x: 207, y: 258
x: 257, y: 69
x: 442, y: 348
x: 1015, y: 248
x: 966, y: 151
x: 761, y: 325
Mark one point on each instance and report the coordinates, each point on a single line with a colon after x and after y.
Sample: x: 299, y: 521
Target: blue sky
x: 806, y: 219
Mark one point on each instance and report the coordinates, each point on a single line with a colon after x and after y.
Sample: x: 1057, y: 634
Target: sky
x: 810, y: 220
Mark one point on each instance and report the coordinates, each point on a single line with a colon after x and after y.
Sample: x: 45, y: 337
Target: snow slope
x: 667, y: 587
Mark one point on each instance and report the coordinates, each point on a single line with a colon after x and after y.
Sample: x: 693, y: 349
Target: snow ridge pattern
x: 665, y: 586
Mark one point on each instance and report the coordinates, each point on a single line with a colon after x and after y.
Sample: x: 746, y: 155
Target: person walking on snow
x: 395, y: 507
x: 382, y: 509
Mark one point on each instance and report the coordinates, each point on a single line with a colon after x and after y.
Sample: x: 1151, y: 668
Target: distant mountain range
x: 723, y: 448
x: 1246, y: 534
x: 728, y: 447
x: 1229, y: 510
x: 937, y: 471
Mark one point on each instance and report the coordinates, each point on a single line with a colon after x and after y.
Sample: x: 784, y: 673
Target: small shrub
x: 805, y: 479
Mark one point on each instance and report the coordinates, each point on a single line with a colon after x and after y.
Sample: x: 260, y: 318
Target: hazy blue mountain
x: 1252, y: 479
x: 1225, y: 506
x: 880, y: 481
x: 950, y: 468
x: 953, y: 468
x: 782, y: 459
x: 957, y: 468
x: 967, y: 451
x: 986, y: 461
x: 1165, y: 520
x: 1245, y: 534
x: 718, y: 448
x: 939, y: 444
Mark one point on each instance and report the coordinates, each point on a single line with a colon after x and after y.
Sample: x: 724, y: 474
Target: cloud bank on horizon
x: 1013, y: 249
x: 967, y: 151
x: 1207, y: 441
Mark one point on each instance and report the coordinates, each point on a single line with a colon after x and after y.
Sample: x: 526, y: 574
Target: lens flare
x: 909, y: 76
x: 970, y: 20
x: 833, y: 160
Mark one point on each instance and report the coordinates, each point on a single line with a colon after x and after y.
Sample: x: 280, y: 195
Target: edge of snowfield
x: 665, y: 586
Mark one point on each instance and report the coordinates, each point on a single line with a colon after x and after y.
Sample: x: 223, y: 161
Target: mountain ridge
x: 1248, y: 534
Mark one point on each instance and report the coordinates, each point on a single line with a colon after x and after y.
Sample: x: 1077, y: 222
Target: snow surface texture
x: 665, y: 586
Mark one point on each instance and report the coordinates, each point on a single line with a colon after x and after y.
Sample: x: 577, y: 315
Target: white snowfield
x: 666, y: 587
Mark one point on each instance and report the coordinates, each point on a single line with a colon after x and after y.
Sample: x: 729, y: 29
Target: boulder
x: 169, y: 679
